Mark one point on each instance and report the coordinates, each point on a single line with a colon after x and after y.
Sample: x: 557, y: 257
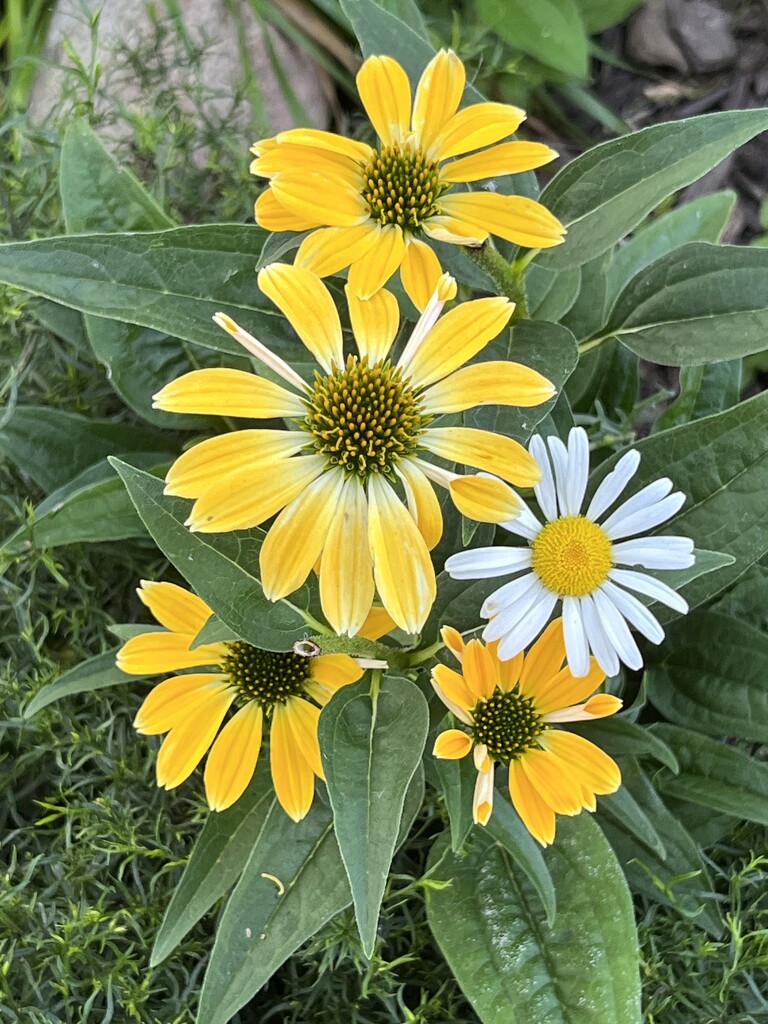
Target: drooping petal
x: 453, y: 640
x: 452, y: 745
x: 422, y: 502
x: 378, y: 264
x: 481, y: 449
x: 232, y: 760
x: 491, y: 383
x: 464, y: 331
x: 484, y: 498
x: 481, y: 124
x: 374, y: 323
x: 171, y: 702
x: 482, y: 802
x: 198, y: 468
x: 260, y: 351
x: 177, y: 609
x: 270, y: 214
x: 346, y: 570
x: 306, y: 302
x: 245, y: 499
x: 305, y: 194
x: 150, y: 653
x: 329, y: 250
x: 537, y: 816
x: 438, y: 95
x: 385, y: 93
x: 420, y: 271
x: 514, y: 218
x: 292, y: 776
x: 508, y: 158
x: 184, y: 746
x: 479, y: 670
x: 403, y: 572
x: 454, y: 231
x: 543, y: 660
x: 334, y: 671
x: 296, y: 538
x: 219, y: 391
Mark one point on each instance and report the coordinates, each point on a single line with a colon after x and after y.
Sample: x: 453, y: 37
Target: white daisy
x: 575, y: 558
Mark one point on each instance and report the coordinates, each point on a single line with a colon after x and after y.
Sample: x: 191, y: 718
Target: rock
x: 211, y: 25
x: 650, y: 40
x: 703, y: 30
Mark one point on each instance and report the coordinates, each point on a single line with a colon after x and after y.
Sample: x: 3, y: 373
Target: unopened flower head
x: 375, y: 208
x: 576, y: 559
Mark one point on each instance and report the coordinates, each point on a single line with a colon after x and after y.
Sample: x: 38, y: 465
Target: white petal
x: 651, y: 587
x: 507, y: 595
x: 424, y: 325
x: 527, y: 631
x: 545, y: 488
x: 485, y: 563
x: 602, y: 648
x: 614, y: 484
x: 635, y: 612
x: 512, y: 614
x: 576, y: 646
x: 655, y: 552
x: 559, y: 454
x: 647, y: 518
x: 644, y: 498
x: 525, y: 524
x: 578, y: 469
x: 617, y: 631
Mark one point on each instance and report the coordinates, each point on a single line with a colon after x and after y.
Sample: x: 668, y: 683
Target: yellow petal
x: 403, y: 572
x: 543, y: 661
x: 453, y: 686
x: 422, y: 503
x: 492, y: 383
x: 296, y: 538
x: 374, y: 269
x: 232, y: 760
x: 245, y: 499
x: 293, y: 779
x: 482, y: 803
x: 479, y: 670
x: 420, y: 271
x: 374, y: 323
x: 177, y: 609
x: 346, y: 570
x: 329, y: 141
x: 302, y: 720
x: 453, y: 231
x: 509, y: 158
x: 270, y: 214
x: 200, y: 467
x: 171, y: 702
x: 509, y: 671
x: 219, y: 391
x: 452, y: 744
x: 484, y: 499
x: 494, y: 453
x: 479, y: 125
x: 457, y: 336
x: 514, y: 218
x: 150, y: 653
x: 320, y: 198
x: 184, y: 746
x: 537, y: 816
x: 438, y: 95
x: 602, y: 705
x: 333, y: 671
x: 329, y: 250
x: 563, y: 689
x: 453, y: 640
x: 591, y: 765
x: 291, y: 156
x: 386, y: 95
x: 377, y: 623
x: 303, y: 298
x: 553, y: 782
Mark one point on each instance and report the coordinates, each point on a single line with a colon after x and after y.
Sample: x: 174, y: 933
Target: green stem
x: 508, y: 281
x: 419, y: 657
x: 310, y: 620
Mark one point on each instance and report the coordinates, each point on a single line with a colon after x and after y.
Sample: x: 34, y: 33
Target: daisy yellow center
x: 364, y: 418
x: 268, y: 677
x: 508, y: 724
x: 402, y: 187
x: 572, y: 556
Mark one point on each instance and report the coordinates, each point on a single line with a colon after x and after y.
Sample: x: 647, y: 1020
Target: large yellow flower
x: 374, y: 207
x: 511, y: 708
x: 284, y: 688
x: 363, y: 427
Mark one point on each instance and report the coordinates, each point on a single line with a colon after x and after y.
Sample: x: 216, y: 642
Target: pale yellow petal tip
x: 453, y: 640
x: 602, y: 705
x: 446, y: 288
x: 482, y: 812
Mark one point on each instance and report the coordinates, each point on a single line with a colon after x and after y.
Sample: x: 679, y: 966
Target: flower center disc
x: 268, y: 677
x: 402, y: 187
x: 572, y: 556
x: 508, y: 724
x: 364, y: 418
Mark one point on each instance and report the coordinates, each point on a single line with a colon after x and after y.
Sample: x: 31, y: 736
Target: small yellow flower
x: 511, y: 708
x: 284, y: 688
x: 375, y: 207
x: 351, y: 485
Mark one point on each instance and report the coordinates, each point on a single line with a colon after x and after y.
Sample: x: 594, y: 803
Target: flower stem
x: 508, y: 279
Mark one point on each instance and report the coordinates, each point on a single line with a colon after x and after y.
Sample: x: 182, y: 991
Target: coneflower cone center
x: 363, y: 418
x: 508, y: 724
x: 572, y: 556
x: 268, y: 677
x: 402, y: 187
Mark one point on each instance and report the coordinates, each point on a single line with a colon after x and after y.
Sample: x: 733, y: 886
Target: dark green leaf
x: 93, y: 674
x: 371, y: 747
x: 748, y: 599
x: 704, y: 391
x: 603, y: 194
x: 588, y: 314
x: 601, y: 14
x: 551, y: 294
x: 552, y: 31
x: 622, y: 808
